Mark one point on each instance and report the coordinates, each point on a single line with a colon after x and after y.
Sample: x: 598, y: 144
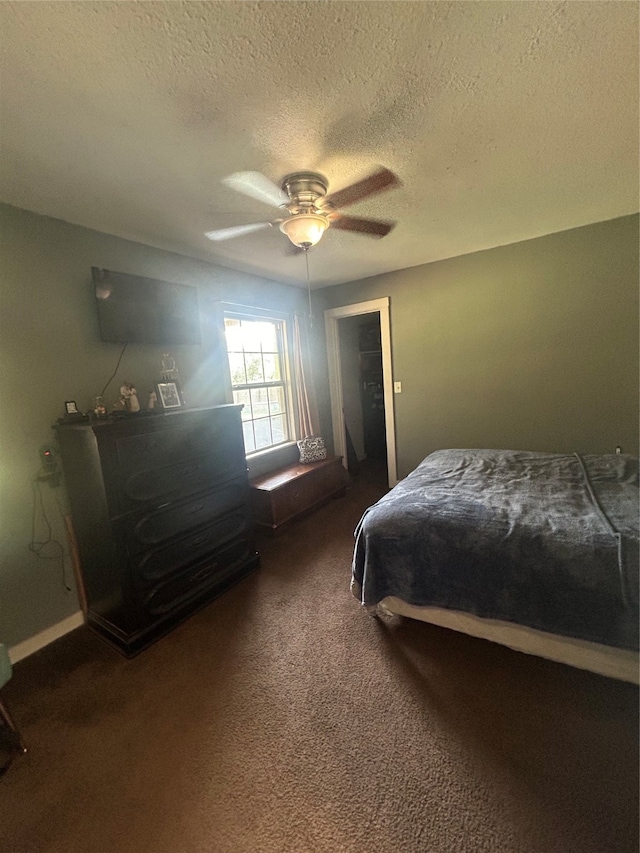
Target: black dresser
x: 162, y: 517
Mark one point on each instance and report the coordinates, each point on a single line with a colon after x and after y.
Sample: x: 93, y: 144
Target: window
x: 257, y: 361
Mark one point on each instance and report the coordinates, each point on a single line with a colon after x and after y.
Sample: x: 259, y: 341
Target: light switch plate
x: 397, y: 387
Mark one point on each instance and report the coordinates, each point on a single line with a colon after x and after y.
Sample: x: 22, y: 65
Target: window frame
x: 284, y: 335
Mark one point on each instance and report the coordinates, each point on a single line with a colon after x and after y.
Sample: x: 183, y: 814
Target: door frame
x: 331, y: 317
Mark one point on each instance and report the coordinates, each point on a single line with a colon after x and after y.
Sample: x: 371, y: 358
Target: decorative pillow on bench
x: 312, y: 449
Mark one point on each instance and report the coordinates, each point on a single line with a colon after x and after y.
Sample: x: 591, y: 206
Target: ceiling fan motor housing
x: 307, y: 222
x: 304, y: 189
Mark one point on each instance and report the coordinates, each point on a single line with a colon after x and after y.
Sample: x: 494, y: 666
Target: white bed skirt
x: 604, y: 660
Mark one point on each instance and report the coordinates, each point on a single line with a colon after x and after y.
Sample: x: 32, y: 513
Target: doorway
x: 359, y: 351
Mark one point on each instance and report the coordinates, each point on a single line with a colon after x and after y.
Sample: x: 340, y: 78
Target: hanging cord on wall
x: 115, y: 371
x: 306, y: 259
x: 37, y: 547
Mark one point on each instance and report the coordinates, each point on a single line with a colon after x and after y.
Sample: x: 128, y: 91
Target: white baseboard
x: 39, y: 641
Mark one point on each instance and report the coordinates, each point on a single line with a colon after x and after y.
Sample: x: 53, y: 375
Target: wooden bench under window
x: 293, y: 491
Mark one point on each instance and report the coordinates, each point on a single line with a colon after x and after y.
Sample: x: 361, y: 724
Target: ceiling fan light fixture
x: 304, y: 229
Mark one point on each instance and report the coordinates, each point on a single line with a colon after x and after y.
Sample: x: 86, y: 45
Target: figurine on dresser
x: 129, y: 398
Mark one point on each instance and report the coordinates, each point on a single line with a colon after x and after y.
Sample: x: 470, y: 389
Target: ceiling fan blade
x: 256, y: 185
x: 383, y: 179
x: 236, y: 231
x: 372, y: 227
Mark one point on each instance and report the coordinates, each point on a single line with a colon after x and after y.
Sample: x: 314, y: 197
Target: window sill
x: 264, y: 461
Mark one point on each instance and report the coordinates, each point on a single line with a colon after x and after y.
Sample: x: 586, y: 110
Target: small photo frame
x: 168, y: 395
x: 71, y: 408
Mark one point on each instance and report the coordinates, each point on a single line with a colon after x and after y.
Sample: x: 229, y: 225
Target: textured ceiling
x: 504, y: 121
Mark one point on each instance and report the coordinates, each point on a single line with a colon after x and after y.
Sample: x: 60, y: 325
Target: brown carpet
x: 283, y: 719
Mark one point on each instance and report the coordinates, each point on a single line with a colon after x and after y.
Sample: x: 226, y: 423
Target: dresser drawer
x: 178, y: 479
x: 180, y: 518
x: 153, y: 449
x: 155, y: 565
x: 214, y: 571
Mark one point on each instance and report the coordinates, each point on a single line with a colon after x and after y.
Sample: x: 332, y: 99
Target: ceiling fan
x: 309, y: 211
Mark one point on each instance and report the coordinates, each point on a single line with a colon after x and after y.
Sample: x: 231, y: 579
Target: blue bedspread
x: 549, y: 541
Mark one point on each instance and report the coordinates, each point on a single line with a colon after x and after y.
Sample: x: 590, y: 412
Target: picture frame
x: 168, y: 395
x: 72, y: 413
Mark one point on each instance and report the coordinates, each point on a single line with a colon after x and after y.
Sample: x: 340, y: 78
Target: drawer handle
x: 196, y: 543
x: 196, y: 509
x: 203, y: 573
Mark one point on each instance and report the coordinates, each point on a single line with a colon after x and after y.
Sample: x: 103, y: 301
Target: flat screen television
x: 135, y: 309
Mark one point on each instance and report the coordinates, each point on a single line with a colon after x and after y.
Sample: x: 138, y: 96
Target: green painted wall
x: 527, y: 346
x: 50, y: 352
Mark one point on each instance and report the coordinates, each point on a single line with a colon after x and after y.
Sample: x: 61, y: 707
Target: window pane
x: 236, y: 365
x: 263, y: 433
x: 253, y: 362
x: 271, y: 367
x: 265, y: 335
x: 249, y: 443
x: 259, y: 402
x: 233, y: 334
x: 279, y: 429
x: 243, y: 398
x: 276, y: 401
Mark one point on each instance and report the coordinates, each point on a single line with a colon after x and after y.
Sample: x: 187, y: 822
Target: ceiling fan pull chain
x: 306, y: 260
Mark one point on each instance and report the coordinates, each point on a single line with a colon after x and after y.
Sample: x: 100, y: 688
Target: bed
x: 536, y: 551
